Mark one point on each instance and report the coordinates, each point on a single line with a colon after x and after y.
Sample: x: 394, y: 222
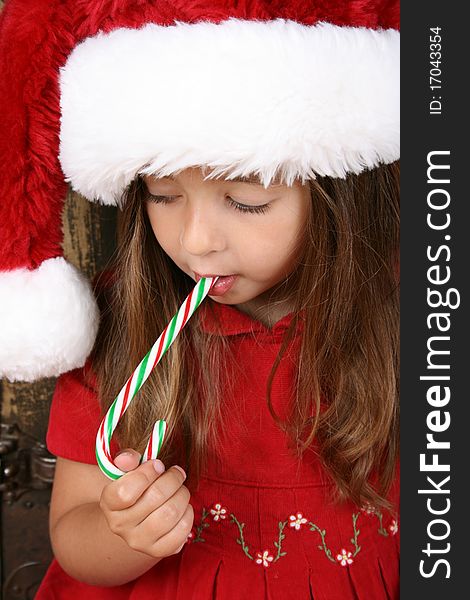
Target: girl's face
x: 229, y: 228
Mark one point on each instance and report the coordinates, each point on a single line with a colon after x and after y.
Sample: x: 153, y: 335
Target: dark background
x: 422, y: 133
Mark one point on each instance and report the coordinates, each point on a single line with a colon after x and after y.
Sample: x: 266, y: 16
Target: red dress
x: 264, y: 527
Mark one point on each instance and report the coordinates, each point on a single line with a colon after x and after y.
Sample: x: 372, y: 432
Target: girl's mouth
x: 221, y: 286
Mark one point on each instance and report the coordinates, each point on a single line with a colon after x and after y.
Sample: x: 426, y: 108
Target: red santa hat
x: 95, y: 92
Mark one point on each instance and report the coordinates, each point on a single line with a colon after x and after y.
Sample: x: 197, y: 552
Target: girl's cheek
x: 163, y: 237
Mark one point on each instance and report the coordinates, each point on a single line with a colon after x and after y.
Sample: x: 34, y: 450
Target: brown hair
x: 346, y: 387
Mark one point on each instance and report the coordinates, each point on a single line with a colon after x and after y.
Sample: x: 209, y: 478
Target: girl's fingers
x: 161, y: 494
x: 125, y: 492
x: 174, y: 540
x: 161, y: 521
x: 127, y: 460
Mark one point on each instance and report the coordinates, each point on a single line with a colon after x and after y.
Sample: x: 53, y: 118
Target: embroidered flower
x: 369, y: 509
x: 296, y: 521
x: 264, y: 558
x: 393, y: 527
x: 218, y: 512
x: 344, y: 558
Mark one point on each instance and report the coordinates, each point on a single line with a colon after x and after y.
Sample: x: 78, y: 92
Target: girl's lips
x: 221, y: 286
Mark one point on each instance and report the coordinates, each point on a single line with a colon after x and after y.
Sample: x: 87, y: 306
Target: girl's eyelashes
x: 160, y: 199
x: 260, y: 209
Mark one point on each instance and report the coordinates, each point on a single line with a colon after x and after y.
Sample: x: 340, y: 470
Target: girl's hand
x: 148, y: 507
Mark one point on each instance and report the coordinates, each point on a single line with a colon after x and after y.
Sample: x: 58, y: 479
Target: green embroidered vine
x: 279, y: 541
x: 202, y: 526
x: 353, y: 540
x: 281, y: 536
x: 241, y: 539
x: 323, y: 547
x: 356, y: 534
x: 381, y: 529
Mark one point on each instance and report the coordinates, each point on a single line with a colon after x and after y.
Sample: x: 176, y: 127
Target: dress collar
x: 223, y: 319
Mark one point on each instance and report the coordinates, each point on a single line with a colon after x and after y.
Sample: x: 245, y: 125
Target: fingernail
x: 180, y: 469
x: 123, y: 454
x: 158, y: 466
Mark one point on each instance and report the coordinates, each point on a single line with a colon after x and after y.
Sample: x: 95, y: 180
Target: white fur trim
x: 48, y: 321
x: 240, y: 97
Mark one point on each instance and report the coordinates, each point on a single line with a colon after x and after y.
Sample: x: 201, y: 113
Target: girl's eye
x: 160, y: 199
x: 262, y: 208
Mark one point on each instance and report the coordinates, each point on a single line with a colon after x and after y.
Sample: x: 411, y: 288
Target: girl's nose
x: 202, y: 233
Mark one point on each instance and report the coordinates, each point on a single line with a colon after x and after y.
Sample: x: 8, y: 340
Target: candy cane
x: 137, y: 380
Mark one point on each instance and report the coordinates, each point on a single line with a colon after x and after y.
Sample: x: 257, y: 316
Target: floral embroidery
x: 381, y: 528
x: 344, y: 558
x: 264, y: 559
x: 353, y: 540
x: 369, y: 509
x: 241, y: 539
x: 393, y: 527
x: 296, y: 521
x: 219, y: 512
x: 201, y: 527
x: 278, y: 544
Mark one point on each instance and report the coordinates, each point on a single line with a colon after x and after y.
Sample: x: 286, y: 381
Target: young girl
x: 278, y: 477
x: 291, y: 365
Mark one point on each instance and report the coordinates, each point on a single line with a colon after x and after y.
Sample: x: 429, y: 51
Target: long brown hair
x: 346, y: 388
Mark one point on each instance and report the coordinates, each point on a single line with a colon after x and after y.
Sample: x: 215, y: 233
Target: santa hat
x: 95, y: 92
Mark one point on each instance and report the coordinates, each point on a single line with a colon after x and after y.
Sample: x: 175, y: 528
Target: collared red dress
x: 265, y: 526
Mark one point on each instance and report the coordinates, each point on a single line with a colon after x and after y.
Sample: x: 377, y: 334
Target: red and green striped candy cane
x: 137, y: 380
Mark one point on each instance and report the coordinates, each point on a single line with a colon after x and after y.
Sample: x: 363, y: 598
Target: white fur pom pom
x: 48, y: 321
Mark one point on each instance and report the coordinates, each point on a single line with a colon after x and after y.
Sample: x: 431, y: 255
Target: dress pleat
x: 390, y: 577
x: 199, y: 575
